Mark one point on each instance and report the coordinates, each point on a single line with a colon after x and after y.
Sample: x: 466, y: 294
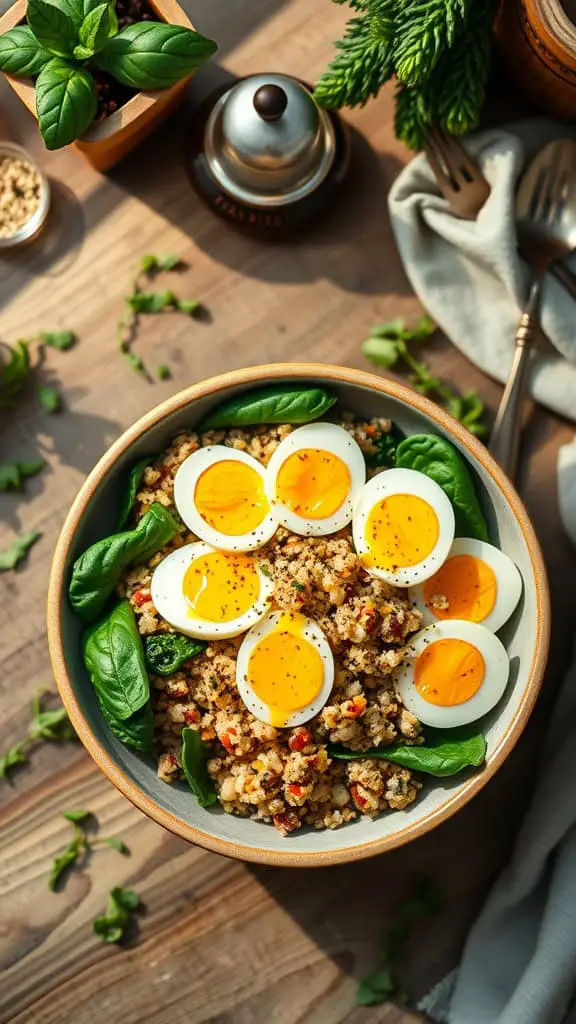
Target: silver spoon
x: 546, y: 225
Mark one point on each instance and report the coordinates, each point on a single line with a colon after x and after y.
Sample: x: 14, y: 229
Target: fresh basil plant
x: 63, y: 40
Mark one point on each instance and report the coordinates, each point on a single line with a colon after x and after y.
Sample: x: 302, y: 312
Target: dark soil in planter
x: 112, y: 94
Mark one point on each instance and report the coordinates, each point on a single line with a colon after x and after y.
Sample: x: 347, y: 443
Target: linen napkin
x: 519, y: 962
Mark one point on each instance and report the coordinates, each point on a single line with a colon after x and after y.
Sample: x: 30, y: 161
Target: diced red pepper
x: 299, y: 739
x: 357, y: 797
x: 140, y: 597
x: 192, y: 716
x: 228, y: 739
x: 295, y: 788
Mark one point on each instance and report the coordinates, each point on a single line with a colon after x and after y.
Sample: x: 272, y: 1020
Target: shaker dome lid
x: 267, y: 142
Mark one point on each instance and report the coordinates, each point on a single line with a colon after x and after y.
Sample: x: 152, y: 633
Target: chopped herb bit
x: 111, y: 926
x: 52, y: 725
x: 76, y: 816
x: 189, y: 306
x: 58, y: 339
x: 11, y: 556
x: 49, y: 398
x: 13, y: 474
x: 134, y: 361
x: 152, y: 302
x: 265, y: 570
x: 14, y: 370
x: 298, y: 586
x: 164, y: 372
x: 154, y: 264
x: 79, y: 844
x: 388, y: 345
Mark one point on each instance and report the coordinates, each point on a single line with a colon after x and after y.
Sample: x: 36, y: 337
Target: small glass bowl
x: 34, y: 225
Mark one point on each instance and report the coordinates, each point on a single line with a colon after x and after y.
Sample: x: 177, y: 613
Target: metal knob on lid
x: 267, y: 142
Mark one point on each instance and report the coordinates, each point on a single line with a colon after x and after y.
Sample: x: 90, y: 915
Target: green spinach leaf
x: 167, y: 652
x: 154, y: 55
x: 195, y: 753
x: 96, y: 573
x: 440, y: 460
x: 137, y: 731
x: 66, y: 101
x: 444, y: 753
x: 21, y: 53
x: 114, y: 658
x: 11, y: 556
x: 13, y: 474
x: 53, y: 28
x: 134, y: 481
x: 386, y: 446
x: 282, y: 403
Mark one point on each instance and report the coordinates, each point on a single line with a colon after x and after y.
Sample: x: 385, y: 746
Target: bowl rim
x: 256, y: 375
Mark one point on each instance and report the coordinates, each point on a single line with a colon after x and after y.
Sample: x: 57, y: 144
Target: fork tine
x: 437, y: 169
x: 458, y: 157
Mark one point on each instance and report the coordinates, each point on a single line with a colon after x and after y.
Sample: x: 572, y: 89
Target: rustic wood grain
x: 219, y: 942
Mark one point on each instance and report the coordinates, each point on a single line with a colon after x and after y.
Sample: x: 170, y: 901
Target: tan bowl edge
x: 57, y: 583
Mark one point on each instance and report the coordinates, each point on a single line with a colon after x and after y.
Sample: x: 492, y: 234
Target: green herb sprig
x: 389, y: 346
x: 437, y: 50
x: 16, y: 552
x: 142, y: 301
x: 13, y: 474
x: 80, y: 845
x: 385, y: 983
x: 111, y: 926
x: 50, y: 725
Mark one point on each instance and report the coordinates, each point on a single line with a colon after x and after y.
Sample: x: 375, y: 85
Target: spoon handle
x: 507, y: 429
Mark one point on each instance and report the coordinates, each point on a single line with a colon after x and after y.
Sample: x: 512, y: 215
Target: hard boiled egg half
x: 477, y: 582
x: 220, y: 494
x: 208, y: 593
x: 403, y: 526
x: 455, y: 673
x: 285, y: 669
x: 313, y: 478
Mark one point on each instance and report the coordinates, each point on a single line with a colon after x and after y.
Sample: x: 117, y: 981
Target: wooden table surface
x: 220, y: 941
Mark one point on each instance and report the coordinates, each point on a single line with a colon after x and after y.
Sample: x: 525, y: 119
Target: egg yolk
x: 230, y: 497
x: 313, y: 483
x: 464, y: 588
x: 285, y: 670
x: 401, y: 530
x: 220, y: 586
x: 449, y: 672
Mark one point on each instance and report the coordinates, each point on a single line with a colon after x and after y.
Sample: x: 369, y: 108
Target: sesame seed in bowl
x: 24, y: 196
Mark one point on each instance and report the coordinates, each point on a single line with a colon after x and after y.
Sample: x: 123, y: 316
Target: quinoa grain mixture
x: 286, y: 775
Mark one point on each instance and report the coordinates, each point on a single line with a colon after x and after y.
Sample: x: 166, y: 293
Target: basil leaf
x: 66, y: 101
x: 445, y: 752
x: 195, y: 753
x: 134, y: 481
x: 76, y: 9
x: 13, y: 474
x: 137, y: 731
x: 153, y: 55
x: 98, y: 27
x: 21, y: 54
x: 283, y: 403
x: 13, y: 373
x: 440, y: 460
x: 386, y: 448
x: 114, y: 658
x: 53, y: 28
x: 96, y: 573
x: 167, y: 652
x: 11, y: 556
x: 110, y: 926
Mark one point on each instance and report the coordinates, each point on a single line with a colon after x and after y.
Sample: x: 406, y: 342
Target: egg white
x: 508, y: 582
x: 497, y: 667
x: 326, y: 437
x: 168, y: 597
x: 405, y: 481
x: 185, y: 483
x: 314, y: 635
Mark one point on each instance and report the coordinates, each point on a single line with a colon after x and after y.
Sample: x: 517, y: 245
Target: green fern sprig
x: 362, y: 65
x: 427, y: 29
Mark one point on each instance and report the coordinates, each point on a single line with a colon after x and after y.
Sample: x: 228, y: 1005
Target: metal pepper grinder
x: 265, y: 156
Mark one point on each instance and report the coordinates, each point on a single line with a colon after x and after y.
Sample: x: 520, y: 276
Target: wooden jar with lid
x: 537, y: 40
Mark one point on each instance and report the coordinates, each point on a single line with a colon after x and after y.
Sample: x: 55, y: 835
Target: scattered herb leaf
x: 76, y: 816
x: 114, y: 842
x: 14, y: 370
x: 298, y: 586
x: 80, y: 844
x: 189, y: 306
x: 16, y: 755
x: 49, y: 398
x: 388, y: 345
x: 152, y: 302
x: 13, y: 474
x: 135, y: 361
x: 53, y: 726
x: 62, y: 340
x: 110, y: 927
x: 11, y: 556
x: 152, y: 264
x: 163, y: 372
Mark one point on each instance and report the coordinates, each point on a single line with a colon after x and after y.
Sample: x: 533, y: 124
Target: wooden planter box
x: 105, y: 143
